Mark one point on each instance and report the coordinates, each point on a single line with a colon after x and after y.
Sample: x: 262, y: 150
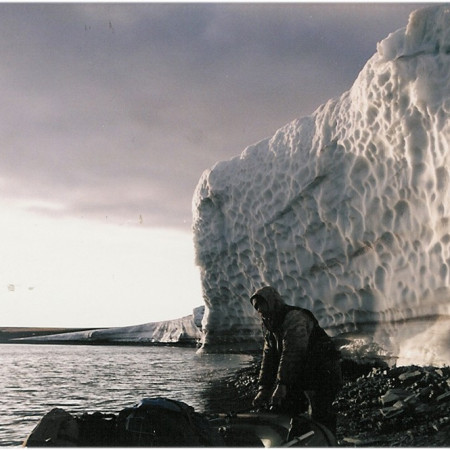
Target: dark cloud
x: 115, y: 110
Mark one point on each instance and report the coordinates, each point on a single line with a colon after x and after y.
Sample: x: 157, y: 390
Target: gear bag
x: 161, y: 422
x: 154, y: 422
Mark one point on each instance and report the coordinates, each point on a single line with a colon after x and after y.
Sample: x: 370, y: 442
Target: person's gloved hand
x: 262, y: 397
x: 279, y: 395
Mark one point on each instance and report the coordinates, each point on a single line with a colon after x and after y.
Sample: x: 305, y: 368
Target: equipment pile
x: 154, y: 422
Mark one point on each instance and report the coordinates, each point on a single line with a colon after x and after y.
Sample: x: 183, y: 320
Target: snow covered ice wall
x: 345, y: 212
x: 185, y: 330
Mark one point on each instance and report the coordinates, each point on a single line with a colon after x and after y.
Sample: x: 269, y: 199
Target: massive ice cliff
x: 345, y: 212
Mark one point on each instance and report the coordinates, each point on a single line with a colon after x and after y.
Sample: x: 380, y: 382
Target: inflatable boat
x: 162, y: 422
x: 266, y: 429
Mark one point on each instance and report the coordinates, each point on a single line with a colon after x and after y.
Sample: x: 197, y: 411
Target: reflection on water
x: 37, y: 378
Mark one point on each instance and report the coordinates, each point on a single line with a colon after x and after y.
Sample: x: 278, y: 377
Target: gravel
x: 377, y: 406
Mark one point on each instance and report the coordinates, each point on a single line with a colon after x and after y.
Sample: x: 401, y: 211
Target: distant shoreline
x: 7, y: 334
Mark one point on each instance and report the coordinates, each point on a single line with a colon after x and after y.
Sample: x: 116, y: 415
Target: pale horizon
x: 111, y: 114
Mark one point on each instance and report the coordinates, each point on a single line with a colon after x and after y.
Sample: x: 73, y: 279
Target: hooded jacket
x: 294, y: 342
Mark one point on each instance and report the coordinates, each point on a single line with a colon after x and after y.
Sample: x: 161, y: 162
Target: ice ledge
x: 427, y: 32
x: 183, y: 331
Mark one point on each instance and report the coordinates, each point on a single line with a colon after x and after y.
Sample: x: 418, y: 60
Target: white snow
x: 186, y: 330
x: 345, y: 212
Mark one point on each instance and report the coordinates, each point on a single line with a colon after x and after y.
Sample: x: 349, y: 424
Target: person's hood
x: 271, y: 296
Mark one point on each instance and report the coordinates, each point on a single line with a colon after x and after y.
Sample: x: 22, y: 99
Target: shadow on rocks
x: 377, y: 406
x: 235, y: 393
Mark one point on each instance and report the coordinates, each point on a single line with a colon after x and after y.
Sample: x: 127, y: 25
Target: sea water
x: 36, y: 378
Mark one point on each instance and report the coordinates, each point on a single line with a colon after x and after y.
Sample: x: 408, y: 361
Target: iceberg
x: 345, y: 212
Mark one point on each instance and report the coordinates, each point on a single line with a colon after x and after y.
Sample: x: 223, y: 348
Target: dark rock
x: 391, y: 411
x: 444, y: 397
x: 411, y: 414
x: 418, y: 417
x: 393, y: 395
x: 410, y: 376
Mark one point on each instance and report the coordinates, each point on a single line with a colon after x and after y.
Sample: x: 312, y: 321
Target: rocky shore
x: 377, y: 406
x: 398, y: 407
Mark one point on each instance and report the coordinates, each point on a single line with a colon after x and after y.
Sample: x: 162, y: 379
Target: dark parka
x: 297, y: 351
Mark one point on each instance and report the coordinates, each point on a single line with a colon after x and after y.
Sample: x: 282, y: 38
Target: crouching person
x: 298, y: 356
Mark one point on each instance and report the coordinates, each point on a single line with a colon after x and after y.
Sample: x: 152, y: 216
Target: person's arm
x: 297, y: 329
x: 267, y: 374
x: 269, y: 365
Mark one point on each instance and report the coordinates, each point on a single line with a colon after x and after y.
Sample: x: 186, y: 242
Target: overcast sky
x: 111, y: 112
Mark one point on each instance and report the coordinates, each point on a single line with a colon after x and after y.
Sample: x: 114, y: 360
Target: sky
x: 110, y: 114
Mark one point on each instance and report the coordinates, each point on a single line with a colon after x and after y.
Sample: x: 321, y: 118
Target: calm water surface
x: 36, y: 378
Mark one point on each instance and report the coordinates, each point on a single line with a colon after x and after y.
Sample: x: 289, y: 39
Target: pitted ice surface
x: 345, y: 212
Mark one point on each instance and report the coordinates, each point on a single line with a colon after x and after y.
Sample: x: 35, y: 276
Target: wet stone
x: 391, y: 412
x: 444, y: 397
x: 410, y: 420
x: 410, y: 376
x: 393, y: 396
x: 399, y: 408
